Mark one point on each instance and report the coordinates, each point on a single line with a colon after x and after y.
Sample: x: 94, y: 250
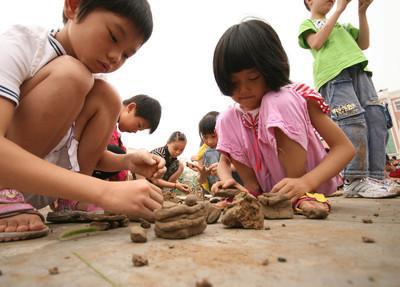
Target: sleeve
x: 230, y: 138
x: 305, y: 28
x: 14, y: 63
x: 353, y: 31
x: 311, y: 94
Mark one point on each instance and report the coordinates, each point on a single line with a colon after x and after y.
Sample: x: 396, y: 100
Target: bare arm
x: 317, y: 40
x: 363, y: 37
x: 341, y: 152
x: 224, y: 170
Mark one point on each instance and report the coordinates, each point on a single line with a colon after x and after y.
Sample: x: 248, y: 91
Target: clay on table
x: 213, y: 213
x: 178, y: 221
x: 244, y: 212
x: 138, y: 234
x: 275, y: 206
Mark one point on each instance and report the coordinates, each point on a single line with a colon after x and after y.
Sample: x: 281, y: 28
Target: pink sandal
x: 12, y: 203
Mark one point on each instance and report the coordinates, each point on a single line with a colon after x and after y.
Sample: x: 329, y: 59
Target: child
x: 342, y: 78
x: 53, y: 108
x: 207, y: 166
x: 138, y: 113
x: 175, y: 146
x: 268, y: 134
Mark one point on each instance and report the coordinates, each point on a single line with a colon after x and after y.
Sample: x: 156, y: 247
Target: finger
x: 151, y: 204
x: 147, y: 214
x: 155, y: 188
x: 277, y: 187
x: 157, y: 196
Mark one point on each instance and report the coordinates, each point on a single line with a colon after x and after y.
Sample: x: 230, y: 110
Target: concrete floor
x: 318, y: 253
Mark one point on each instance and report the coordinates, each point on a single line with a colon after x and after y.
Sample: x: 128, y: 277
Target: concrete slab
x: 318, y: 253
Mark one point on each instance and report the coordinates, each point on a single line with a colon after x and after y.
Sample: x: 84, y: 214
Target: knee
x: 74, y: 78
x: 106, y: 98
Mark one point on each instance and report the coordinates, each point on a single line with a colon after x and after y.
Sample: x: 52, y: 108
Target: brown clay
x: 177, y: 221
x: 213, y: 214
x: 181, y: 233
x: 315, y: 213
x: 275, y: 206
x: 244, y: 212
x: 54, y: 271
x: 138, y: 260
x: 138, y: 234
x: 228, y: 192
x: 203, y: 283
x: 191, y: 200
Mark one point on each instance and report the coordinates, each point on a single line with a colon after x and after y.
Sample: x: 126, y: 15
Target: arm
x: 341, y: 152
x: 28, y: 173
x: 317, y: 40
x: 168, y: 184
x: 363, y: 37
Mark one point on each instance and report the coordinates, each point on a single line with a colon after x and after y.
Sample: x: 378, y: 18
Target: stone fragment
x: 275, y: 206
x: 138, y: 234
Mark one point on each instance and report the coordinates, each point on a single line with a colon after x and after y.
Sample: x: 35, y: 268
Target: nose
x: 114, y: 56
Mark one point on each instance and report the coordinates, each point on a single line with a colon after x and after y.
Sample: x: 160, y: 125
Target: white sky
x: 175, y: 65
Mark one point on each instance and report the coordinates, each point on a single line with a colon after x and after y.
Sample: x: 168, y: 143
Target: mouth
x: 104, y: 68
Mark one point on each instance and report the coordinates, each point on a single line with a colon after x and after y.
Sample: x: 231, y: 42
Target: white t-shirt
x: 23, y: 51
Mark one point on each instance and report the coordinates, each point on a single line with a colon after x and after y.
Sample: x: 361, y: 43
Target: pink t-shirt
x: 116, y: 140
x: 249, y: 138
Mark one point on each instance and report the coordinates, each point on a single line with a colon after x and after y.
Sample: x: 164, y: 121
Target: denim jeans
x: 355, y: 108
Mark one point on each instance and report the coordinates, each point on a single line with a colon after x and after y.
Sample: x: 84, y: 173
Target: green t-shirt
x: 339, y: 52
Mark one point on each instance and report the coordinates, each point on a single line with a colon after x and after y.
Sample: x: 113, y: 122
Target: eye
x: 113, y: 38
x: 254, y: 77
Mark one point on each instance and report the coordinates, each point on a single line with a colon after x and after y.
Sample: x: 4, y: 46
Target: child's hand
x: 212, y: 169
x: 182, y: 187
x: 146, y: 164
x: 363, y: 6
x: 229, y: 183
x: 193, y: 166
x: 342, y: 4
x: 292, y: 188
x: 136, y: 197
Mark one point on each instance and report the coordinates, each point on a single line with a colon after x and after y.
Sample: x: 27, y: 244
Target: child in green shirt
x: 341, y: 76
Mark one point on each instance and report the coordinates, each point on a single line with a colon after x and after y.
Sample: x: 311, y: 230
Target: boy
x: 51, y: 104
x: 138, y: 113
x: 342, y: 78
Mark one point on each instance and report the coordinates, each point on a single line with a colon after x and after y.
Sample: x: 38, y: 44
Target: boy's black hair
x: 250, y: 44
x: 305, y: 4
x: 147, y: 108
x: 177, y: 136
x: 207, y: 123
x: 137, y: 11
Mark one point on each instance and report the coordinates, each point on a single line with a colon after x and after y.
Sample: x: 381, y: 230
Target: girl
x: 269, y: 134
x: 175, y: 146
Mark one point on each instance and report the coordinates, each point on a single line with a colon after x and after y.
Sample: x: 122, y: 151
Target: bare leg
x: 44, y: 115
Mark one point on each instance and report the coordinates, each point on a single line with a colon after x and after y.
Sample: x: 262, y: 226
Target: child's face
x: 320, y: 6
x: 210, y: 139
x: 176, y: 148
x: 102, y: 40
x: 129, y: 122
x: 249, y: 87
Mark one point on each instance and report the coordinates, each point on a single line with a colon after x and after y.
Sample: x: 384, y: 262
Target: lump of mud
x: 213, y: 213
x: 275, y: 206
x: 179, y: 221
x: 244, y: 212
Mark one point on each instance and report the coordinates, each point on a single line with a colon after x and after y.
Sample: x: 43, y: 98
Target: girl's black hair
x: 207, y: 123
x: 137, y: 11
x: 176, y: 136
x: 250, y: 44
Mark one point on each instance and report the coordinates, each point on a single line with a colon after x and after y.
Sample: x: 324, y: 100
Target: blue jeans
x: 355, y: 108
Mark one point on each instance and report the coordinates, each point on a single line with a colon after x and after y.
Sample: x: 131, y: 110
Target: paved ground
x: 318, y: 253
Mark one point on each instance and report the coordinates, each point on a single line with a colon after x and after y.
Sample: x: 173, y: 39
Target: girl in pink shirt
x: 270, y: 133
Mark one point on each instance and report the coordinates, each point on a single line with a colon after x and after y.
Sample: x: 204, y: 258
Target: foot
x: 314, y: 209
x: 21, y: 223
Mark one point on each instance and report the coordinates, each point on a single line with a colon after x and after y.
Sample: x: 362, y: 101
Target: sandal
x: 312, y: 213
x: 12, y: 203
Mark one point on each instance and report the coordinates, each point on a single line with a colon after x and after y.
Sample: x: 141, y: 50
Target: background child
x: 341, y: 76
x: 207, y: 166
x: 175, y: 146
x: 268, y: 134
x: 52, y: 108
x: 138, y: 113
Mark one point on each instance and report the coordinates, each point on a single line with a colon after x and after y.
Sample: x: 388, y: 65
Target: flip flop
x: 23, y: 235
x: 312, y: 213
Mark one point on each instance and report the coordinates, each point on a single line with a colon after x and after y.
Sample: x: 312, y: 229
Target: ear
x: 131, y: 107
x: 71, y: 8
